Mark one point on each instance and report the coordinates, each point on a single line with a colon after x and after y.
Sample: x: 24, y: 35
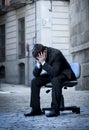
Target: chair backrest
x: 76, y: 69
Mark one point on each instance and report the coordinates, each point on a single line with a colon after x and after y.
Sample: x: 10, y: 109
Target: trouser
x: 42, y: 80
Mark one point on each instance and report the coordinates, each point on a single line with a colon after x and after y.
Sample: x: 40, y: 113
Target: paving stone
x: 14, y: 104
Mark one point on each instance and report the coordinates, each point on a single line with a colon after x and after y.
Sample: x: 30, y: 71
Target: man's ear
x: 45, y: 50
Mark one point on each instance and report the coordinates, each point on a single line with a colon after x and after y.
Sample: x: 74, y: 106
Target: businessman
x: 51, y: 66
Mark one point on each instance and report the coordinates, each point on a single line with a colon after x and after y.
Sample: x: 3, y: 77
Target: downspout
x: 35, y: 38
x: 50, y: 6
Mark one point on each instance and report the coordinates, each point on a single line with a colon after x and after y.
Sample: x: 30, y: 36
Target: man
x: 51, y: 66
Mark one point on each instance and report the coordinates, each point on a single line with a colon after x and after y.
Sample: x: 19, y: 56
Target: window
x: 3, y: 3
x: 2, y: 72
x: 2, y: 43
x: 21, y: 37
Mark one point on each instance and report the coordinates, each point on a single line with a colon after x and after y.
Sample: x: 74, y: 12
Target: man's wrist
x: 43, y: 63
x: 38, y: 64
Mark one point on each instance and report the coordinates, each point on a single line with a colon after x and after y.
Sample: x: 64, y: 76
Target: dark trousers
x: 42, y: 80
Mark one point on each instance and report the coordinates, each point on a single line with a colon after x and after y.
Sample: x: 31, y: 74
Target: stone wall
x: 79, y: 33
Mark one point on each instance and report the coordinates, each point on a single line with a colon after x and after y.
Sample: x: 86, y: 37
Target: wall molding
x: 80, y: 48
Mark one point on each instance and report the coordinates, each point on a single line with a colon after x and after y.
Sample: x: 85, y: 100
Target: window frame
x: 2, y: 43
x: 21, y: 38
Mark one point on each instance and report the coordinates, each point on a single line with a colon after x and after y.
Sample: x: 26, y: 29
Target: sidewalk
x: 15, y: 100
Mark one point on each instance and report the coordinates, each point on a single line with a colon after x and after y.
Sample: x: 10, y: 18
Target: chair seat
x: 65, y: 84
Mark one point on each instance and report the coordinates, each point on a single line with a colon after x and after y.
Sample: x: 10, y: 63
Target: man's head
x: 37, y: 49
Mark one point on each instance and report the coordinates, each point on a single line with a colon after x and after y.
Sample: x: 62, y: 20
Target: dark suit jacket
x: 55, y: 65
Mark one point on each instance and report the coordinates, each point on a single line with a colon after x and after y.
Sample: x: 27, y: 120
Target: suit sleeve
x: 55, y: 68
x: 37, y: 71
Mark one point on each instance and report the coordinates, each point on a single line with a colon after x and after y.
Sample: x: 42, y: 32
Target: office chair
x: 77, y: 70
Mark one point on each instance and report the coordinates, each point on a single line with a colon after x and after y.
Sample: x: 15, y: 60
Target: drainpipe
x: 50, y: 6
x: 35, y: 21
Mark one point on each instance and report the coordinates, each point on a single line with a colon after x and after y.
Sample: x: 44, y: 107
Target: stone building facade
x: 61, y: 24
x: 25, y: 23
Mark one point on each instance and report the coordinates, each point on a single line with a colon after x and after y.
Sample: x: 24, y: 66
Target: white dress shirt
x: 43, y: 71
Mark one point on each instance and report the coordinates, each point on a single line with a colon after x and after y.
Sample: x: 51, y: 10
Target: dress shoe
x: 52, y: 113
x: 33, y: 112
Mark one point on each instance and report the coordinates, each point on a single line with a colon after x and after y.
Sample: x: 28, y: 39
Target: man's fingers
x: 41, y: 54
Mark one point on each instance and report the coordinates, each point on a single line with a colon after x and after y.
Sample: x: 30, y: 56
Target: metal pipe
x: 35, y: 21
x: 51, y: 6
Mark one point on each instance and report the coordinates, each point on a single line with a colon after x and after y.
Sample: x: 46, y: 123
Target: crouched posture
x: 51, y: 66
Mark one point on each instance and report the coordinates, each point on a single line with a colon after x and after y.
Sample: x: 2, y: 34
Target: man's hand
x: 41, y: 57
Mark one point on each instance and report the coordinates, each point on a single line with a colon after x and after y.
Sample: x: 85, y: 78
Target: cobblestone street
x: 14, y: 102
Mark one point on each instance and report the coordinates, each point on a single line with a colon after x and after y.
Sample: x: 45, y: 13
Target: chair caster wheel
x: 76, y: 110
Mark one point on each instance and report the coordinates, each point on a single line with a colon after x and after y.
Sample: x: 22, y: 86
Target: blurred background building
x: 62, y: 24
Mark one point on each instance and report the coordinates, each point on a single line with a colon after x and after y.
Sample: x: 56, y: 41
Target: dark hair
x: 38, y: 48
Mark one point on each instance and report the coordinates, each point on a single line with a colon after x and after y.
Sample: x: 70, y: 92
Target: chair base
x: 74, y: 109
